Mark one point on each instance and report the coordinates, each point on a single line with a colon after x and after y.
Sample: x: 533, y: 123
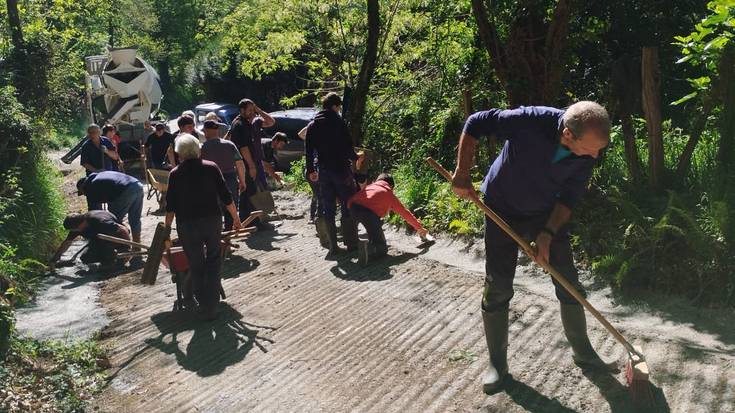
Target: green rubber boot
x: 575, y: 327
x: 322, y: 232
x: 496, y: 335
x: 349, y: 233
x: 332, y: 244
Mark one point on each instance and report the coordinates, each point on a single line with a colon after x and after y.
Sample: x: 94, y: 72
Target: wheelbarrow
x: 159, y: 246
x: 178, y: 264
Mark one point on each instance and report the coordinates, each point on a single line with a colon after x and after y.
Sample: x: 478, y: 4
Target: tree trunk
x: 528, y: 63
x: 631, y: 150
x: 626, y: 89
x: 369, y: 59
x: 16, y: 30
x: 685, y: 159
x: 164, y: 72
x: 726, y: 150
x: 651, y: 85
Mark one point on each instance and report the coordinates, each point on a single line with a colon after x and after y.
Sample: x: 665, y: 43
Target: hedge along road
x: 301, y: 333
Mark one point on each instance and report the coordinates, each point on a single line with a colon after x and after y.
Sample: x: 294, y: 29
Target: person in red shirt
x: 372, y: 203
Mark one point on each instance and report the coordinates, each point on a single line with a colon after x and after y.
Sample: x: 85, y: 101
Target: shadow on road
x: 619, y: 397
x: 677, y: 310
x: 377, y: 270
x: 263, y: 241
x: 214, y: 345
x: 236, y: 265
x: 531, y: 400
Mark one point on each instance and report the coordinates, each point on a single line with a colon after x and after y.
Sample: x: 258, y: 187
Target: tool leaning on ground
x: 636, y: 369
x: 162, y: 243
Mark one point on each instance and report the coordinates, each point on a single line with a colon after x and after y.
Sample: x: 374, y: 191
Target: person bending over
x: 89, y: 225
x: 372, y: 203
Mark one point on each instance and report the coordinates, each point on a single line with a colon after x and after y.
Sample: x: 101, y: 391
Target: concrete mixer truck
x: 122, y: 90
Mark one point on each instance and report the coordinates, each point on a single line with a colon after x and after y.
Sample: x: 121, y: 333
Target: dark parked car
x: 226, y: 111
x: 290, y: 122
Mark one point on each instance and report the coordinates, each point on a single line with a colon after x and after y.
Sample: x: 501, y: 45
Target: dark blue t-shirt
x: 105, y: 186
x: 94, y: 156
x: 524, y: 179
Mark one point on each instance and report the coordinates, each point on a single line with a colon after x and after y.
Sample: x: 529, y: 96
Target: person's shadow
x: 378, y: 269
x: 619, y: 396
x: 531, y: 400
x: 235, y: 265
x: 214, y: 346
x: 264, y: 240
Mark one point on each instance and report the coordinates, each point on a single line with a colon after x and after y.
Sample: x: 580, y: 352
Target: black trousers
x: 501, y: 258
x: 231, y: 182
x: 200, y: 239
x: 246, y: 207
x: 314, y: 208
x: 99, y: 251
x: 373, y: 225
x: 335, y: 185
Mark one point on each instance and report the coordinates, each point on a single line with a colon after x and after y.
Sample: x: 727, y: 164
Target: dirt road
x: 304, y: 334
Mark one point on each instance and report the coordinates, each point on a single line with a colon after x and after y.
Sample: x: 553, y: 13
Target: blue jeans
x: 130, y: 203
x: 335, y: 185
x: 501, y: 257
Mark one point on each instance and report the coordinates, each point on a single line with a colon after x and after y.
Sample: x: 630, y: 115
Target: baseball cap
x: 210, y: 124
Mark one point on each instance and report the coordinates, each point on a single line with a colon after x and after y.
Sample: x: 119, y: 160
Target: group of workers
x: 535, y: 182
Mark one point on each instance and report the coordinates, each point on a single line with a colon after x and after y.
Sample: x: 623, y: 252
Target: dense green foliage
x: 677, y: 239
x: 31, y: 209
x: 674, y: 237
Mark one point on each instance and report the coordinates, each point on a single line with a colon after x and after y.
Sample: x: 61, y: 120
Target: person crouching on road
x: 122, y: 193
x: 89, y: 225
x: 372, y: 203
x: 195, y: 189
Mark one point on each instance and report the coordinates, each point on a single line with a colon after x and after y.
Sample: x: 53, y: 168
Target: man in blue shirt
x: 122, y: 193
x: 540, y: 174
x: 98, y: 152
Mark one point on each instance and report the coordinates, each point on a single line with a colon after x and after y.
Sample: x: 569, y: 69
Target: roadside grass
x: 36, y: 376
x: 50, y: 376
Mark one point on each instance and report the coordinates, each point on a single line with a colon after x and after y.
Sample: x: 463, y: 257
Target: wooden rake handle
x: 526, y: 247
x: 122, y: 241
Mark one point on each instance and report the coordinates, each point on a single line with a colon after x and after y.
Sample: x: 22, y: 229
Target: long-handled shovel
x: 636, y: 369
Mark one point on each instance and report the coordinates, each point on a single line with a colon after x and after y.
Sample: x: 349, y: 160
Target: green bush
x: 430, y: 198
x: 31, y: 209
x: 18, y: 281
x: 675, y: 242
x: 295, y: 178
